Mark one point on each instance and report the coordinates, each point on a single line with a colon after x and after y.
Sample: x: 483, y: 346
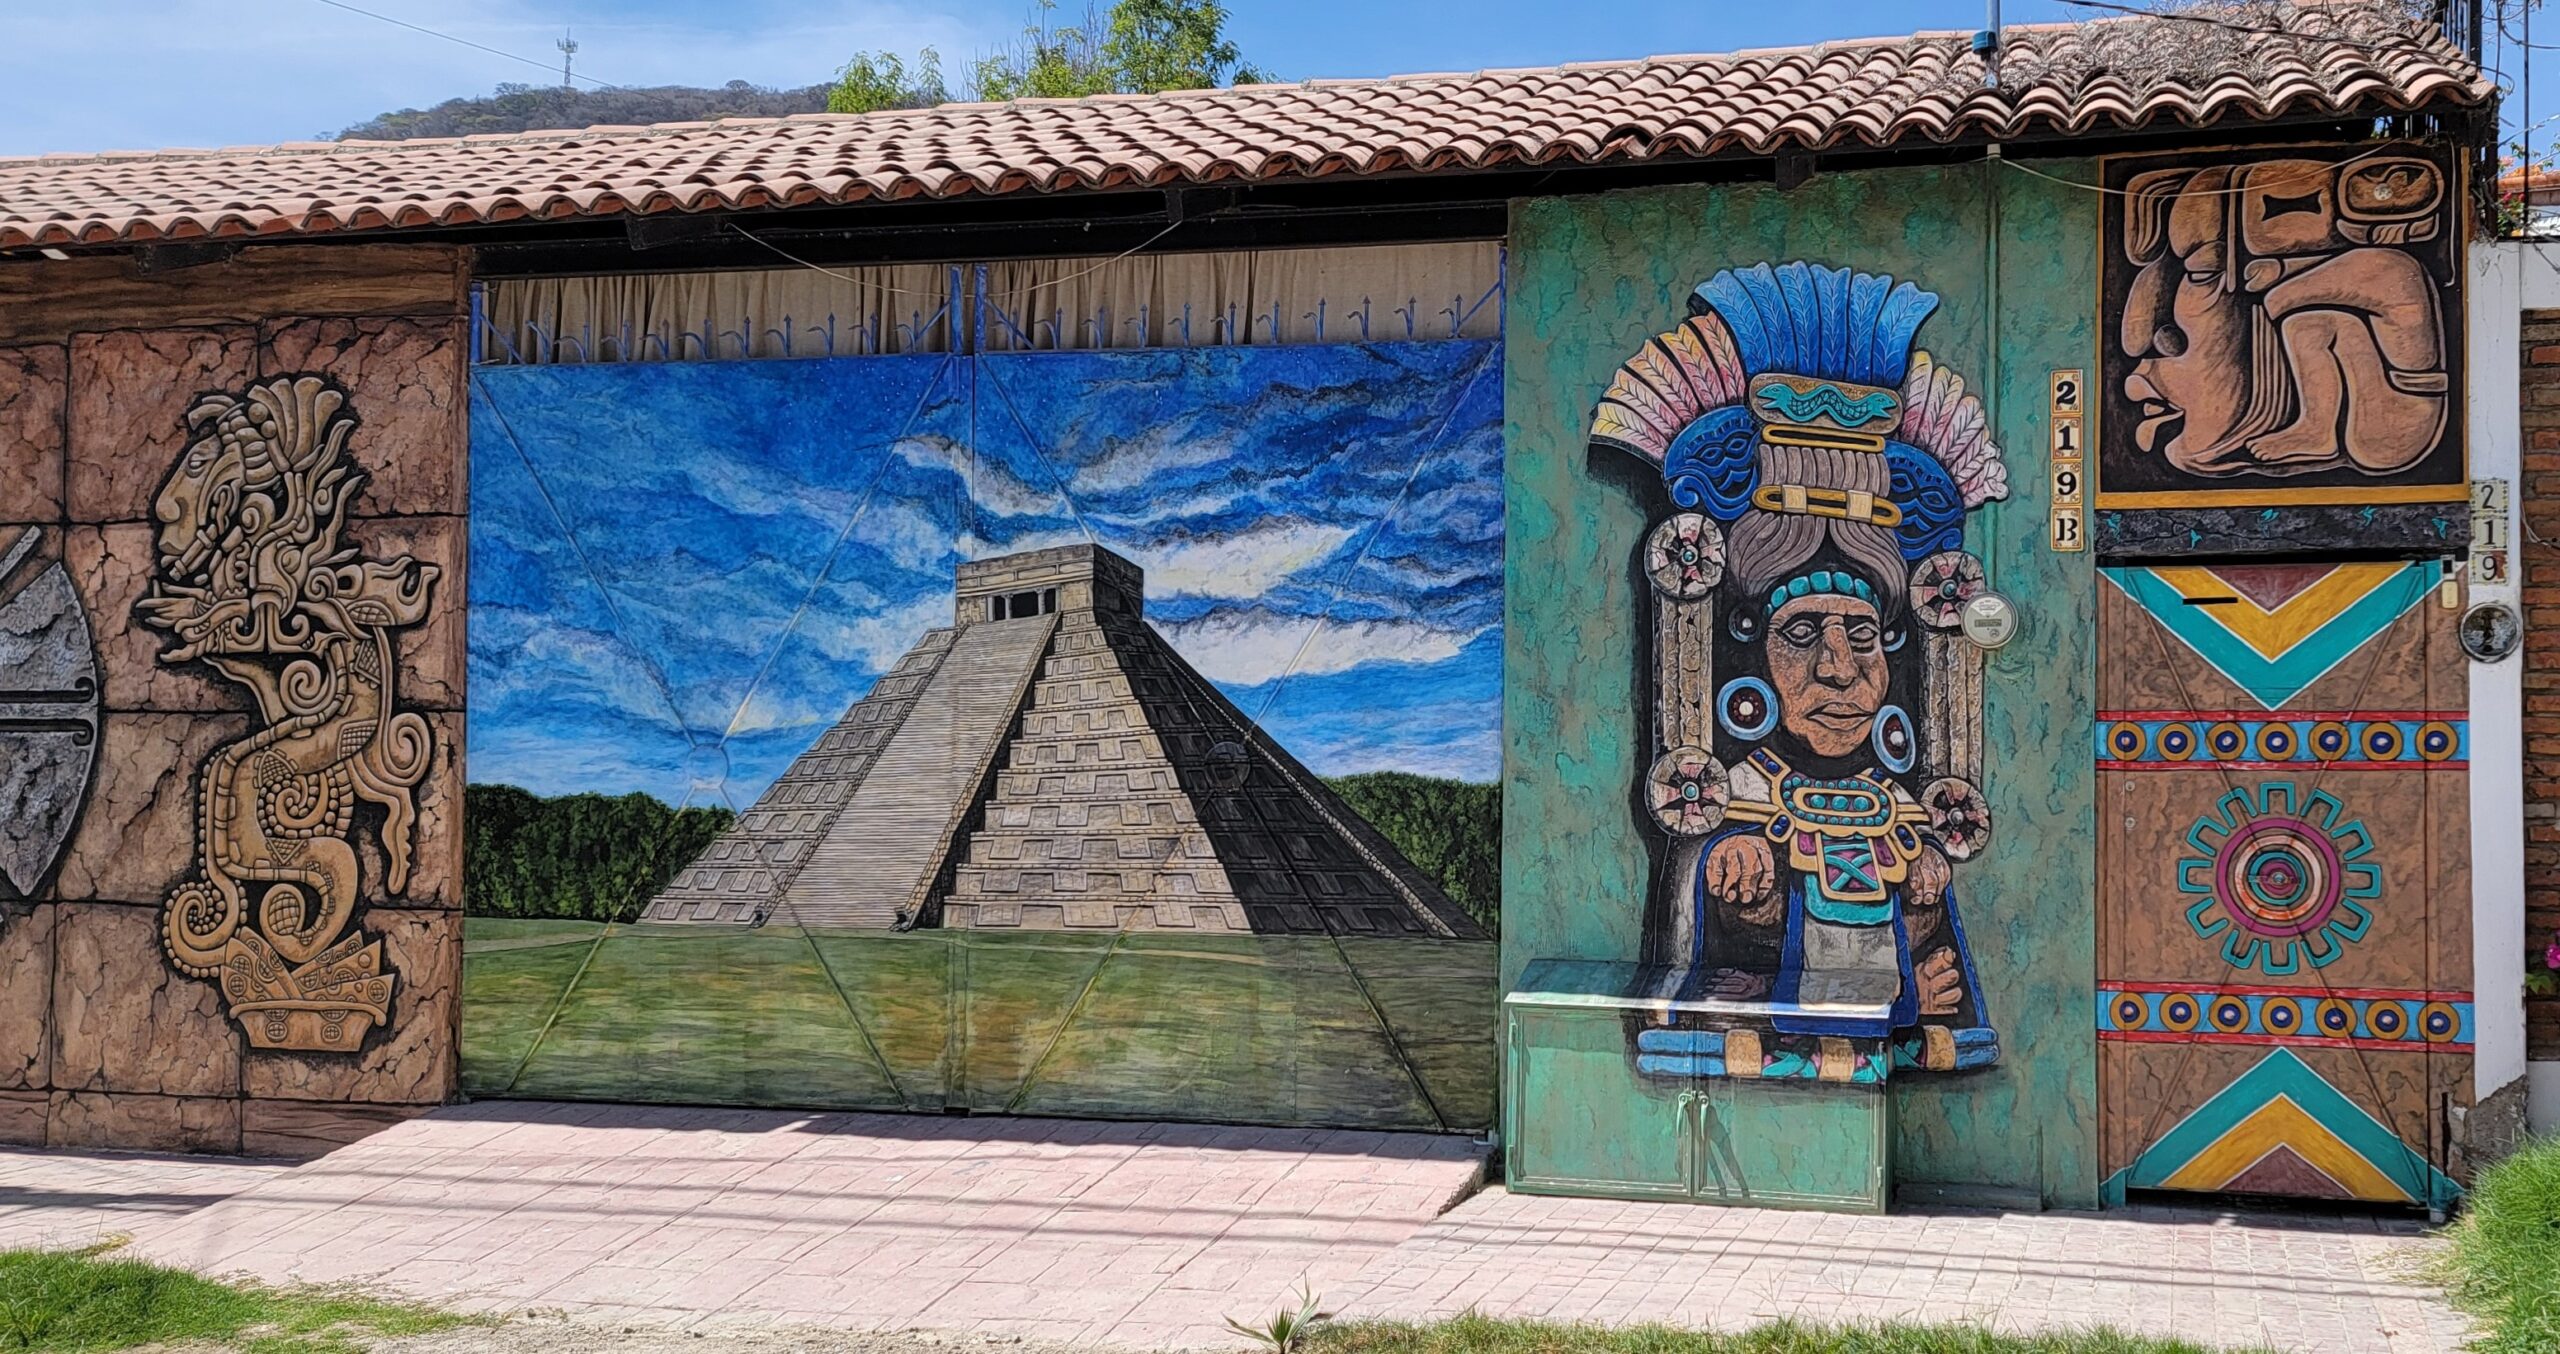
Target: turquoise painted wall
x: 1593, y: 277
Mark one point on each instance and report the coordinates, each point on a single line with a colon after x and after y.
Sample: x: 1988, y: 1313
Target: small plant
x: 1286, y: 1330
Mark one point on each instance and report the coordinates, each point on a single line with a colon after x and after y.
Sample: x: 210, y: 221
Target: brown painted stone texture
x: 110, y: 567
x: 433, y: 658
x: 26, y: 994
x: 408, y: 380
x: 22, y: 1116
x: 143, y: 1123
x: 130, y: 393
x: 137, y: 836
x: 124, y: 1020
x: 416, y: 1061
x: 32, y: 394
x: 299, y: 1128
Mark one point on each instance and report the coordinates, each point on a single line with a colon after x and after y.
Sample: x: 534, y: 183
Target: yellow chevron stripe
x: 2271, y: 633
x: 2282, y: 1123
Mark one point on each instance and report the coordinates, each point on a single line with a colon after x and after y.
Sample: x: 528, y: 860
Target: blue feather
x: 1804, y: 317
x: 1866, y: 301
x: 1831, y: 298
x: 1904, y: 311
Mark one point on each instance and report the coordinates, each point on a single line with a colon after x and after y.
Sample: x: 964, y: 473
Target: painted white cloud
x: 874, y: 641
x: 992, y: 487
x: 1243, y: 564
x: 1252, y: 645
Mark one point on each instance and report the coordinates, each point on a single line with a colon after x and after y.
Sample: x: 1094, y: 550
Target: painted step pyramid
x: 1049, y: 763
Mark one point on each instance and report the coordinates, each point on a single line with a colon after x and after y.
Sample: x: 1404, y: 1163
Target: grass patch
x: 89, y: 1300
x: 1486, y: 1335
x: 2503, y: 1267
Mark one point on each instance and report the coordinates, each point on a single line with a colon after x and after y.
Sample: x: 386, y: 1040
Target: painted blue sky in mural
x: 682, y: 572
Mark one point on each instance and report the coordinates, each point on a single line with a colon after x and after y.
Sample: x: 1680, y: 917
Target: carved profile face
x: 2276, y: 325
x: 1827, y: 665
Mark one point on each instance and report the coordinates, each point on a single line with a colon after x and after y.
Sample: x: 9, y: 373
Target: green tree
x: 1135, y: 47
x: 873, y: 81
x: 1156, y: 45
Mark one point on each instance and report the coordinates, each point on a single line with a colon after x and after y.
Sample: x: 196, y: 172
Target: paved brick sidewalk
x: 1148, y: 1235
x: 1140, y: 1234
x: 58, y: 1199
x: 2336, y: 1285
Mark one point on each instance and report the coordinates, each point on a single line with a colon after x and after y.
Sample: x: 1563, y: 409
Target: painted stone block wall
x: 231, y: 536
x: 2539, y: 563
x: 2011, y: 260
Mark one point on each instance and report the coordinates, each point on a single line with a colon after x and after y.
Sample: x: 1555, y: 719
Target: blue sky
x: 669, y: 557
x: 130, y: 74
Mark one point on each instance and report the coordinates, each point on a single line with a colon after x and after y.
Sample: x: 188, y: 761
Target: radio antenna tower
x: 568, y: 53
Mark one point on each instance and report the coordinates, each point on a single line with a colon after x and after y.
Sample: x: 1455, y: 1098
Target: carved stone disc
x: 1685, y: 556
x: 48, y: 716
x: 1686, y: 792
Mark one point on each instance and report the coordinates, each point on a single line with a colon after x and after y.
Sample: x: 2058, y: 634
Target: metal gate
x: 2283, y: 1001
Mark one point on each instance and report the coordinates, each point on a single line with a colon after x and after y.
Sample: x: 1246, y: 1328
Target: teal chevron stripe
x: 2272, y: 682
x: 2280, y: 1073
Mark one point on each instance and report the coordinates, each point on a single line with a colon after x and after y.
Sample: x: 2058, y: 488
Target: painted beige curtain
x: 1154, y: 301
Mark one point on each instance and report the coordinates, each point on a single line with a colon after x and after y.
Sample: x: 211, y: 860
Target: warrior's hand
x: 1740, y: 872
x: 1941, y: 984
x: 1930, y: 874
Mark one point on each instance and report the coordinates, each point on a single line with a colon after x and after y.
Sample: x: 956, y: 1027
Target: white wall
x: 2507, y: 277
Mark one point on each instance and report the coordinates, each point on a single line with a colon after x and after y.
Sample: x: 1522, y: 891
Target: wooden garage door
x: 2284, y: 1001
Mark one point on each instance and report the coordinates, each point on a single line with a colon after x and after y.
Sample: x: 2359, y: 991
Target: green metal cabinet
x: 1578, y: 1118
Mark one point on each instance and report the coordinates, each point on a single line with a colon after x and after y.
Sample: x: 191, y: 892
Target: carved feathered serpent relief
x: 254, y: 579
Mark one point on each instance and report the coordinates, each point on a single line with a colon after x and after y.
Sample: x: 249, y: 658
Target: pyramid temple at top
x: 1048, y: 762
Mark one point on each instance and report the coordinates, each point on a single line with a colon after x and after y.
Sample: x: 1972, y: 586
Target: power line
x: 2262, y: 30
x: 543, y: 66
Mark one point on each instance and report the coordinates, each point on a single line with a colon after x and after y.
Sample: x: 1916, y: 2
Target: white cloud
x: 875, y: 641
x: 991, y: 486
x: 1242, y: 565
x: 1253, y: 645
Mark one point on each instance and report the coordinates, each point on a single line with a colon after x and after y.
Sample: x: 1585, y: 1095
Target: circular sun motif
x: 2437, y: 741
x: 2275, y: 742
x: 1686, y: 791
x: 2226, y: 741
x: 2129, y: 1010
x: 2177, y: 742
x: 2381, y: 742
x: 2386, y: 1020
x: 2330, y: 740
x: 2280, y: 1015
x: 2125, y: 740
x: 1685, y: 556
x: 1958, y: 817
x: 1941, y: 585
x: 2180, y: 1012
x: 2439, y: 1022
x: 2279, y: 886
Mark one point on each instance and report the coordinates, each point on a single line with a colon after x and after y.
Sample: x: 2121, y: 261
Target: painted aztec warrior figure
x: 1807, y: 590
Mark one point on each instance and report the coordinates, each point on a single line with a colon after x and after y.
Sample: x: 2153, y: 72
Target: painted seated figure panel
x: 1817, y: 716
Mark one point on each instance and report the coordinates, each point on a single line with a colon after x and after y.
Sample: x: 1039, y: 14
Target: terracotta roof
x: 2063, y: 79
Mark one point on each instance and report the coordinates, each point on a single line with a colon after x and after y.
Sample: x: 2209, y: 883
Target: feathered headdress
x: 1797, y: 356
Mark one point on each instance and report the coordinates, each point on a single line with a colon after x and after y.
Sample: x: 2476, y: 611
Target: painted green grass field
x: 1246, y: 1029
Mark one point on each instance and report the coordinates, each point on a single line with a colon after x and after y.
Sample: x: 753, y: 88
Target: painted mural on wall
x: 1817, y: 717
x: 255, y: 580
x: 49, y: 698
x: 2284, y: 1004
x: 1083, y: 733
x: 2281, y: 327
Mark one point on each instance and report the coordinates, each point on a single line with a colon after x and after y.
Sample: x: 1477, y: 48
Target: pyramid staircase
x: 1052, y: 764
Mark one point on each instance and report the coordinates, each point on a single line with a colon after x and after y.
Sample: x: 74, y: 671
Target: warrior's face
x: 1827, y: 666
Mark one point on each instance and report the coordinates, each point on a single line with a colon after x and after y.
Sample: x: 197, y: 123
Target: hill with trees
x: 527, y: 108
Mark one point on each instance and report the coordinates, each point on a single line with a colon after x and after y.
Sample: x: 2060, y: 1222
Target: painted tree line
x: 592, y: 857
